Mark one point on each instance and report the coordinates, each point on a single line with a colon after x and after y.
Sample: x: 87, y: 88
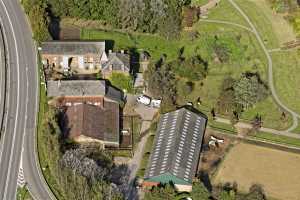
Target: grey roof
x: 117, y: 60
x: 79, y: 88
x: 76, y: 88
x: 177, y: 145
x: 73, y: 47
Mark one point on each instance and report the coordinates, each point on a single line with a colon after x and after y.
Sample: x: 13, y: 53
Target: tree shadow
x: 204, y: 177
x: 54, y: 24
x: 134, y: 61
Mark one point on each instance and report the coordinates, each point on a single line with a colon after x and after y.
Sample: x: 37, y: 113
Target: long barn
x: 176, y: 151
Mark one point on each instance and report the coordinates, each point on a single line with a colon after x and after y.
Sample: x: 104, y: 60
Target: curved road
x: 270, y: 67
x: 18, y: 135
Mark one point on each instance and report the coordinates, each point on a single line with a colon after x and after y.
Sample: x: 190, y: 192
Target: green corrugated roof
x: 167, y: 178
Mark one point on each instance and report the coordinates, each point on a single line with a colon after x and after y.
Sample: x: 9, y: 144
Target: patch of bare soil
x: 277, y: 171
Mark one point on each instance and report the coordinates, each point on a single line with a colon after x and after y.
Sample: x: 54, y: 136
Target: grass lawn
x: 226, y: 12
x: 272, y: 27
x: 277, y: 171
x: 145, y: 159
x: 122, y: 81
x: 278, y: 139
x: 287, y: 79
x: 270, y: 113
x: 297, y: 129
x: 23, y: 194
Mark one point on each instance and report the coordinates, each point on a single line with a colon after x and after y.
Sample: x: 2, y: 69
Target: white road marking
x: 18, y: 93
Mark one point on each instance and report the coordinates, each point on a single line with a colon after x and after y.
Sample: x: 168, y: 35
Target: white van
x: 144, y: 100
x: 155, y: 103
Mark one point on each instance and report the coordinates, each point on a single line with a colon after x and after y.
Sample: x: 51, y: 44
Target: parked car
x: 155, y: 103
x: 143, y: 99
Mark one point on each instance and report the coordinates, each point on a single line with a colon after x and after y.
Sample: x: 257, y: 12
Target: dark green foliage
x: 162, y: 83
x: 36, y: 11
x: 226, y: 101
x: 229, y: 192
x: 238, y: 95
x: 184, y: 88
x: 152, y: 16
x: 194, y: 68
x: 167, y: 192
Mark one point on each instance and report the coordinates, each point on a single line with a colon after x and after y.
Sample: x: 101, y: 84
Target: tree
x: 249, y: 90
x: 200, y: 192
x: 194, y: 68
x: 226, y: 101
x: 38, y: 18
x: 162, y: 83
x: 166, y: 192
x: 256, y: 192
x: 184, y: 88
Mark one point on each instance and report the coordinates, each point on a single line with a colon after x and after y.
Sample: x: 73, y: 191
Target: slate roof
x: 83, y: 88
x: 76, y: 88
x: 117, y: 60
x: 177, y: 146
x: 93, y: 121
x: 73, y: 47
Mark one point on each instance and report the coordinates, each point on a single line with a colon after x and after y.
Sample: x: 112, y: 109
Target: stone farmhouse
x: 176, y: 151
x: 83, y: 57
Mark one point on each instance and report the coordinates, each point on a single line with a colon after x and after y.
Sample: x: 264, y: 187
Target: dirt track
x: 277, y: 171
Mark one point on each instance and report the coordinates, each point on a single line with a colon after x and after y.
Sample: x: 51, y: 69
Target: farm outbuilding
x: 176, y: 151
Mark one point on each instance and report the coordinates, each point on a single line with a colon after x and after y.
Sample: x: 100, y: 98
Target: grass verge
x: 23, y: 194
x: 146, y: 156
x: 278, y: 139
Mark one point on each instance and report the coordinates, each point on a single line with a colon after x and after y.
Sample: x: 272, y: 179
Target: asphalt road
x: 18, y: 137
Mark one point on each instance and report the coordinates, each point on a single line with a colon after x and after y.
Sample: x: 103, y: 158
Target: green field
x: 225, y: 12
x: 261, y: 21
x: 287, y: 79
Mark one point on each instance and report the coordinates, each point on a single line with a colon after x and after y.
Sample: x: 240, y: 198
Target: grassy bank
x: 278, y: 139
x: 23, y: 194
x: 146, y: 156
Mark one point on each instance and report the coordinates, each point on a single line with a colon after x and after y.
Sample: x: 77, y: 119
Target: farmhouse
x: 83, y: 57
x: 72, y: 92
x: 117, y: 62
x: 84, y: 123
x: 176, y: 150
